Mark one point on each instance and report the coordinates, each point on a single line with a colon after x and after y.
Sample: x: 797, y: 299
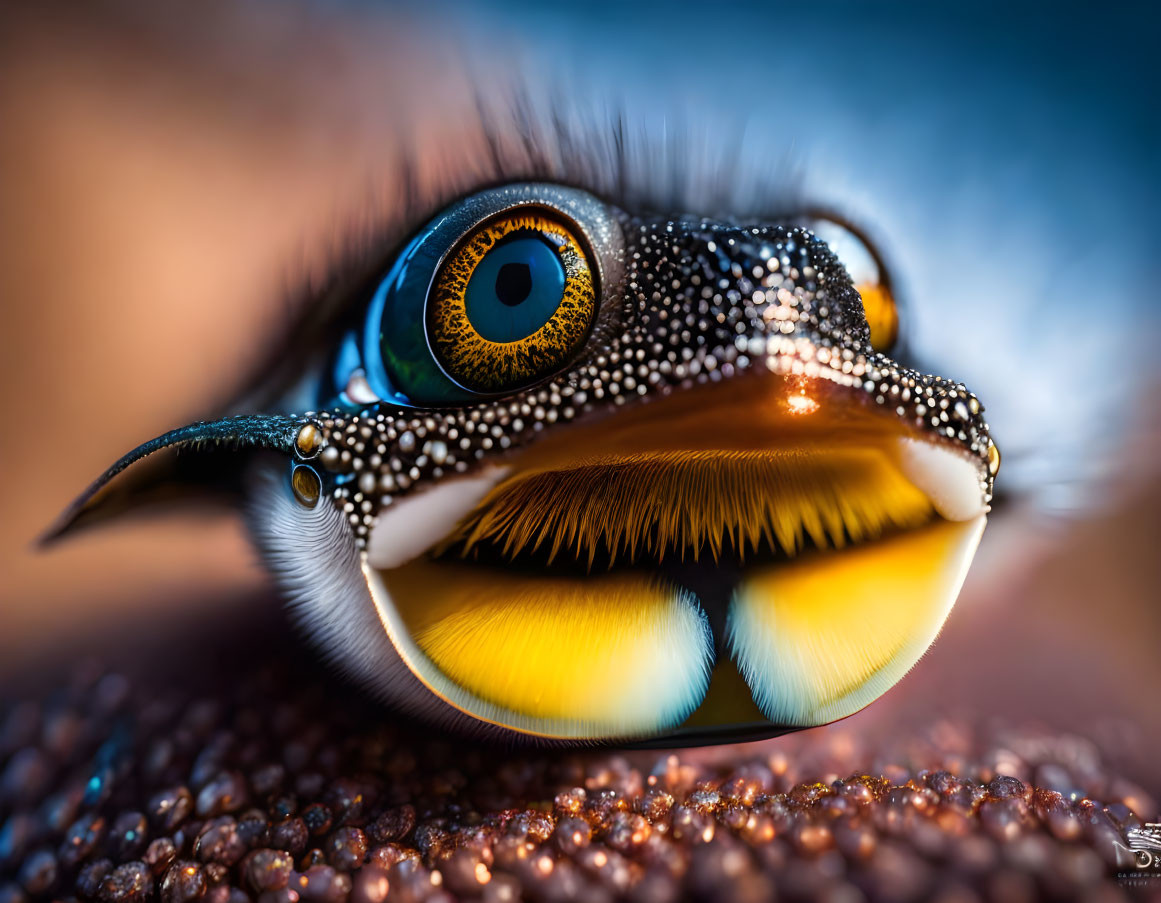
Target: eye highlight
x: 512, y: 303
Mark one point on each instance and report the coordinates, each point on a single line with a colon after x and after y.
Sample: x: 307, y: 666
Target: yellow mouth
x: 768, y: 464
x: 557, y: 601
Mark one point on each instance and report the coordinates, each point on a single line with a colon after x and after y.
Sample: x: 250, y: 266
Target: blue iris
x: 515, y: 289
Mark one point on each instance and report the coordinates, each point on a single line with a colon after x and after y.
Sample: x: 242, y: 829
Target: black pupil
x: 513, y: 283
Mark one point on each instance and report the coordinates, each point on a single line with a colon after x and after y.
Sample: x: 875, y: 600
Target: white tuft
x: 410, y: 527
x: 952, y: 482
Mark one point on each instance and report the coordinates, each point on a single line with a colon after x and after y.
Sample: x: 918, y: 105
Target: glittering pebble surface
x: 277, y: 783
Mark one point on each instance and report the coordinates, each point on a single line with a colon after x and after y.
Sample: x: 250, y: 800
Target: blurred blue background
x: 1004, y: 157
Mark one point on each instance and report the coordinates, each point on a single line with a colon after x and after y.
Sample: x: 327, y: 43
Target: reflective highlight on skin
x: 732, y: 470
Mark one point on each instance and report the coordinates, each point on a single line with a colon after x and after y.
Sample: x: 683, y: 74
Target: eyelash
x: 527, y: 140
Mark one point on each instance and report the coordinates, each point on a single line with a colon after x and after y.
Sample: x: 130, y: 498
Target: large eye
x: 512, y: 303
x: 495, y: 294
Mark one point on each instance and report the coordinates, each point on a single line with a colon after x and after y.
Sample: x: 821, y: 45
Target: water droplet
x: 993, y: 458
x: 308, y: 441
x: 306, y: 485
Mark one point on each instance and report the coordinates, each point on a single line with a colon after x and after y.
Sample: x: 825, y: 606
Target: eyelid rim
x: 415, y: 269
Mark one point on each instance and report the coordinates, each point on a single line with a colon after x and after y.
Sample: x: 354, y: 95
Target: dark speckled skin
x: 698, y: 302
x: 690, y: 311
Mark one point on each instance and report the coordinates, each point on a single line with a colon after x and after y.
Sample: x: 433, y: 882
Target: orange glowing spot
x: 882, y: 314
x: 801, y: 404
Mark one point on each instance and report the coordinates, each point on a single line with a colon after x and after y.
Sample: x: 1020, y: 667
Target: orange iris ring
x: 485, y: 366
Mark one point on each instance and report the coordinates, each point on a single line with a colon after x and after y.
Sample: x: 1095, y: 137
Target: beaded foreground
x: 122, y: 792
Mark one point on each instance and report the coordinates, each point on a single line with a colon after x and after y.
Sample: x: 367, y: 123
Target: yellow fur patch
x: 651, y: 505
